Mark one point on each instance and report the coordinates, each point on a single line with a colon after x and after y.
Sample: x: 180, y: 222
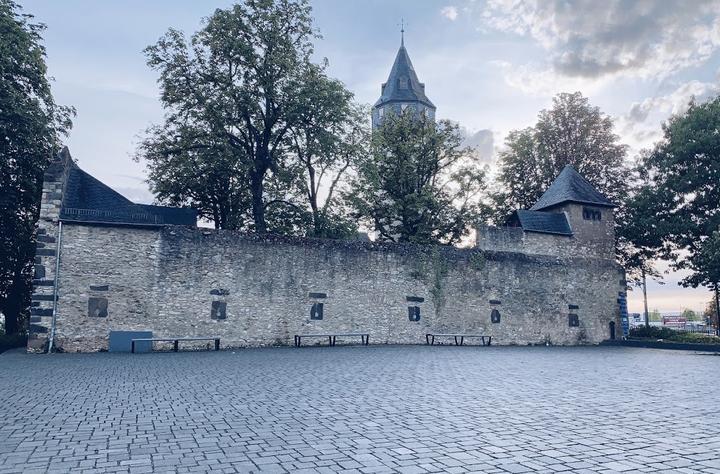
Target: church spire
x: 403, y: 89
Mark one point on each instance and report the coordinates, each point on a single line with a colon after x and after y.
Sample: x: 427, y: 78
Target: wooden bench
x: 175, y: 341
x: 430, y: 338
x: 364, y: 337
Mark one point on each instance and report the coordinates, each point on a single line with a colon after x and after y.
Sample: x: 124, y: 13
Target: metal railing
x: 111, y: 216
x: 693, y: 328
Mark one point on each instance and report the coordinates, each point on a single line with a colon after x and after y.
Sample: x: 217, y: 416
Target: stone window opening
x: 573, y: 320
x: 403, y: 83
x: 97, y: 307
x: 316, y: 311
x: 591, y: 214
x: 414, y: 313
x: 495, y: 316
x: 218, y: 310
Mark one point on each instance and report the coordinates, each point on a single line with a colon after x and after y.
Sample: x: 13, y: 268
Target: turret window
x: 403, y: 83
x: 591, y: 214
x: 380, y: 112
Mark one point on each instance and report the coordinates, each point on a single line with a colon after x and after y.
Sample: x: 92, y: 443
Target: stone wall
x: 594, y: 239
x: 48, y: 233
x: 254, y: 291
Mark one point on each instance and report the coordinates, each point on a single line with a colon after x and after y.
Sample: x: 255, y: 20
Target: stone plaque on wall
x: 97, y: 307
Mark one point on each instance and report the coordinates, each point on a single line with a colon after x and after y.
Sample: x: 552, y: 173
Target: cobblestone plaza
x: 409, y: 409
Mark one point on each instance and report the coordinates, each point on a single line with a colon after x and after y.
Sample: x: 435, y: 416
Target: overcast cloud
x: 590, y: 38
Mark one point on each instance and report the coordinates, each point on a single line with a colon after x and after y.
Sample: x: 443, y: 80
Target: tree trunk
x: 644, y: 285
x: 258, y: 205
x: 14, y: 303
x: 11, y: 319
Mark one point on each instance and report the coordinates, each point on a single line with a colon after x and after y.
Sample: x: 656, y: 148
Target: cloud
x: 640, y: 126
x: 591, y: 39
x: 483, y: 141
x: 674, y: 103
x: 450, y: 12
x: 543, y: 82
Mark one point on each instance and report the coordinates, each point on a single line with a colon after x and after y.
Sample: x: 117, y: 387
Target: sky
x: 489, y: 65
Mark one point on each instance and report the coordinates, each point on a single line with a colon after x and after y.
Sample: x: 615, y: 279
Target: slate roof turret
x: 570, y: 186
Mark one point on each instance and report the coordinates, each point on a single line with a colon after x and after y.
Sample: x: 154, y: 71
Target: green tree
x: 655, y: 315
x: 31, y: 127
x: 232, y: 95
x: 324, y: 145
x: 418, y: 184
x: 639, y: 235
x: 689, y: 314
x: 710, y: 312
x: 572, y: 132
x: 684, y: 171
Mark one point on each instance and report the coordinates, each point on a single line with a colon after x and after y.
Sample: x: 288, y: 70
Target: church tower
x: 403, y: 89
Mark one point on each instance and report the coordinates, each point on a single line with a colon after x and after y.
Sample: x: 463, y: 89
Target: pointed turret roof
x: 570, y: 186
x: 403, y: 84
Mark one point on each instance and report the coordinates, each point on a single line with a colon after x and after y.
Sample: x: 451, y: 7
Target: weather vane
x: 402, y: 32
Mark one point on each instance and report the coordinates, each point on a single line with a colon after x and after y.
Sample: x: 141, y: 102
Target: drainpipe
x: 55, y: 287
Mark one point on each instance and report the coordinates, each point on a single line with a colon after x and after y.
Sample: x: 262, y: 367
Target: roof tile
x: 544, y: 222
x: 403, y: 84
x: 87, y: 199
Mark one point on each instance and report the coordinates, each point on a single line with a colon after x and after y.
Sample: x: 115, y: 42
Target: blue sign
x: 622, y: 302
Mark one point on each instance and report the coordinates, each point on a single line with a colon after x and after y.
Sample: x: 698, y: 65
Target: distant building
x: 402, y: 90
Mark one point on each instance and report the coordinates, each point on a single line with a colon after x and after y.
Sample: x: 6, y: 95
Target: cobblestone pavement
x: 370, y: 409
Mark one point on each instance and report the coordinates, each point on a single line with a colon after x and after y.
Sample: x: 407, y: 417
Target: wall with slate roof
x: 71, y: 195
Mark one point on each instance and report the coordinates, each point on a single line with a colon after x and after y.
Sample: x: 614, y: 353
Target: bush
x: 696, y: 338
x: 11, y: 342
x: 654, y: 332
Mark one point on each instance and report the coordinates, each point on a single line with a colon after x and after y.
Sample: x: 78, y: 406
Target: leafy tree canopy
x: 245, y: 111
x: 683, y: 191
x: 418, y: 184
x: 31, y: 127
x: 639, y: 235
x: 683, y: 172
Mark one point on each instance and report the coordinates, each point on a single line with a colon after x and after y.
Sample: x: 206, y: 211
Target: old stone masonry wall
x: 251, y: 291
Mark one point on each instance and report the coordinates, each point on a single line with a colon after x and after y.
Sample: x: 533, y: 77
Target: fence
x: 110, y: 216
